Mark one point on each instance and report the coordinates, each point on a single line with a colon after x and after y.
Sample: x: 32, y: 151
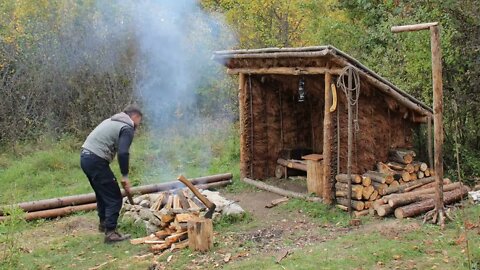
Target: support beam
x: 242, y: 109
x: 413, y: 27
x: 327, y: 142
x: 285, y: 70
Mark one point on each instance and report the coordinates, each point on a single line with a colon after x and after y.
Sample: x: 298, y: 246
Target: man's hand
x: 126, y: 184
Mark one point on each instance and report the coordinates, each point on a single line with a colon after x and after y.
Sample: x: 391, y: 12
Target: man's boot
x: 112, y: 236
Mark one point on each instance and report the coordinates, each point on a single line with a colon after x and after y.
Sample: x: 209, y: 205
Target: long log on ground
x: 414, y: 196
x: 280, y: 191
x: 90, y: 197
x: 420, y: 207
x: 292, y: 164
x: 401, y: 156
x: 356, y: 205
x: 343, y: 178
x: 446, y: 181
x: 379, y: 177
x: 63, y: 211
x: 402, y: 187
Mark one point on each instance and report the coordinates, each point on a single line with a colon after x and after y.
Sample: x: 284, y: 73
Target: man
x: 109, y: 137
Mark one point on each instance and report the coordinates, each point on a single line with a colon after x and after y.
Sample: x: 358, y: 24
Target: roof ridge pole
x: 438, y: 214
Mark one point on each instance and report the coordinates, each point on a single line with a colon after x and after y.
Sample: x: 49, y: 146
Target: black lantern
x: 301, y: 90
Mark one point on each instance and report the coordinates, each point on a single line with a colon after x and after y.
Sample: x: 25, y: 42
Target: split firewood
x: 159, y: 247
x: 142, y: 240
x: 429, y: 204
x: 356, y: 205
x: 163, y: 233
x: 176, y: 237
x: 154, y: 242
x: 366, y: 181
x: 401, y: 156
x: 183, y: 200
x: 343, y: 178
x: 180, y: 245
x: 169, y: 204
x: 193, y: 205
x: 176, y: 203
x: 185, y: 217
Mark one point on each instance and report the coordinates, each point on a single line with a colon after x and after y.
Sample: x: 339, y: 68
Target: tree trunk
x: 200, y: 234
x: 327, y: 142
x: 414, y: 196
x: 402, y: 187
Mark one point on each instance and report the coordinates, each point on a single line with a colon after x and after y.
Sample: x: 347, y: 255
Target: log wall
x: 281, y: 122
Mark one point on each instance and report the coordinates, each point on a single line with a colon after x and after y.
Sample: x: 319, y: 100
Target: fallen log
x: 90, y: 197
x: 402, y: 187
x: 63, y: 211
x: 280, y: 191
x: 298, y: 165
x: 384, y: 210
x: 343, y: 178
x: 420, y: 207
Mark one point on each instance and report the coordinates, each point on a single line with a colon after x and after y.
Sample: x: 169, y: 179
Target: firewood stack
x: 166, y: 216
x: 401, y: 186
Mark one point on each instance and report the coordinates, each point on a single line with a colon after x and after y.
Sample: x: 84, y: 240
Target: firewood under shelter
x: 290, y: 106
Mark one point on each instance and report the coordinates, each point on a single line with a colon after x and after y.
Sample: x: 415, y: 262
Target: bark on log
x: 401, y: 156
x: 379, y: 177
x: 90, y: 197
x: 384, y: 210
x: 402, y: 187
x: 361, y: 213
x: 356, y: 205
x: 343, y: 178
x: 396, y: 166
x: 428, y: 204
x: 280, y: 191
x: 292, y: 164
x: 397, y: 200
x: 367, y: 192
x: 356, y: 193
x: 327, y: 142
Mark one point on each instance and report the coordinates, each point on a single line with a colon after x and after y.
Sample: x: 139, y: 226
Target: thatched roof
x: 312, y: 60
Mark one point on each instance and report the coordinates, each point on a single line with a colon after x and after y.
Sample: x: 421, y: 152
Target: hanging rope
x: 342, y: 82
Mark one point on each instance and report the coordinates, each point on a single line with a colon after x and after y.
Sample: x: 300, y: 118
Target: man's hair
x: 132, y: 109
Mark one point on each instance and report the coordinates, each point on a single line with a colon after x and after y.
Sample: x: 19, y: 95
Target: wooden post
x: 327, y: 142
x: 437, y: 113
x: 437, y: 110
x: 350, y: 141
x: 314, y: 174
x: 429, y: 143
x: 200, y: 234
x: 242, y: 104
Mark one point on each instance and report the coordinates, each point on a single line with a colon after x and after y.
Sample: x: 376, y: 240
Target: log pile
x: 166, y: 216
x: 401, y: 186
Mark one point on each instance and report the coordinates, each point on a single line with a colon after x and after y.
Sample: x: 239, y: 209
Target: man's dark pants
x: 104, y: 183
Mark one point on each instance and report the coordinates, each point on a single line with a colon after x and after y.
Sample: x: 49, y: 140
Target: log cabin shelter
x: 294, y: 108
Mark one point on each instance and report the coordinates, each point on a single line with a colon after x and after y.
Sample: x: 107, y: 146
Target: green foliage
x: 11, y: 253
x: 319, y: 211
x: 227, y: 221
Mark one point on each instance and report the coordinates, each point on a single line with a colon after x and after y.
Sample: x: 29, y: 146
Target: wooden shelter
x: 277, y: 121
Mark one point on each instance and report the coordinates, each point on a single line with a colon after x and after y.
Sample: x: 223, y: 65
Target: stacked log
x: 400, y: 183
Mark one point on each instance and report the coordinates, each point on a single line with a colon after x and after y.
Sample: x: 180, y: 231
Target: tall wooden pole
x: 242, y: 103
x: 327, y: 142
x: 437, y: 113
x: 437, y: 110
x: 350, y: 140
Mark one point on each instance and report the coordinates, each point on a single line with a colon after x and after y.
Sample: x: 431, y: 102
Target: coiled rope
x: 342, y: 82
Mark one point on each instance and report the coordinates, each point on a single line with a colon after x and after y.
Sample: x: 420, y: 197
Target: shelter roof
x: 311, y: 60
